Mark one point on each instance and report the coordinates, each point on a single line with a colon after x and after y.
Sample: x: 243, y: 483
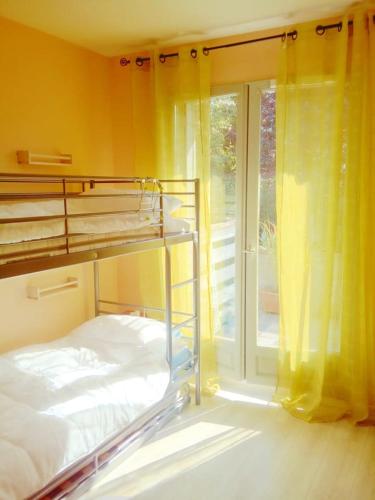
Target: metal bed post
x: 168, y: 283
x: 96, y: 287
x: 161, y: 213
x: 168, y: 304
x: 66, y: 225
x: 196, y: 296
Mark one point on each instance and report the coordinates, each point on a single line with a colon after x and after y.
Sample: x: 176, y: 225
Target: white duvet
x: 59, y: 401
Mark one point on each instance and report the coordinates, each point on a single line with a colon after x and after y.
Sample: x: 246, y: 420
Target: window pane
x: 268, y: 310
x: 224, y: 113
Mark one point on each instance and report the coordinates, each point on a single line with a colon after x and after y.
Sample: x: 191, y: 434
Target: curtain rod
x: 206, y: 50
x: 320, y: 30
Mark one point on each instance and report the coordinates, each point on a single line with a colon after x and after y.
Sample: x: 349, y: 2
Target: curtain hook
x: 124, y: 61
x: 162, y: 58
x: 194, y: 53
x: 205, y: 51
x: 320, y: 30
x: 139, y: 61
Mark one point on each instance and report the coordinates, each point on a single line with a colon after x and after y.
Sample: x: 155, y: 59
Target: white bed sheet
x: 59, y: 401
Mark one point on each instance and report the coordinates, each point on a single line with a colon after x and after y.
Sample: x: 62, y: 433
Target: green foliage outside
x: 267, y: 187
x: 223, y: 157
x: 224, y: 111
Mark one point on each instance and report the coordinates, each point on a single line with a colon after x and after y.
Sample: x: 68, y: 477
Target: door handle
x: 250, y: 250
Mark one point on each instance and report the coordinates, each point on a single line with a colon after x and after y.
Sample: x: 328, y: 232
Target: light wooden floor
x: 247, y: 449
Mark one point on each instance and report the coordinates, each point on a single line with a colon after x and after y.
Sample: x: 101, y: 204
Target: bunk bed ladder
x: 194, y: 318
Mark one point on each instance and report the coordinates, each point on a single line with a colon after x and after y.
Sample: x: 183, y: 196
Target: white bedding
x: 59, y: 401
x: 27, y: 231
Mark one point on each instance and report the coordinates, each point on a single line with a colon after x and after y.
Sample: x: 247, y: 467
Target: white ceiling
x: 114, y: 27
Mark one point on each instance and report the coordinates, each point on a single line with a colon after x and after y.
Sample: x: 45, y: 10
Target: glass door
x: 228, y: 125
x: 262, y: 304
x: 243, y: 225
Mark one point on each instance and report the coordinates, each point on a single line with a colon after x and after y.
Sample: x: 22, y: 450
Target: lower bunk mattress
x: 60, y: 400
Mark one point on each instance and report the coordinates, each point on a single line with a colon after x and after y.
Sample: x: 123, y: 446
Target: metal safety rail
x: 67, y: 248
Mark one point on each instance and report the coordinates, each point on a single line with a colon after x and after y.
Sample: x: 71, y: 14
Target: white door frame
x: 241, y: 358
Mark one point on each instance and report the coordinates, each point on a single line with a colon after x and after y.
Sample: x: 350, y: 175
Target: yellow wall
x: 25, y: 321
x: 245, y: 63
x: 54, y: 98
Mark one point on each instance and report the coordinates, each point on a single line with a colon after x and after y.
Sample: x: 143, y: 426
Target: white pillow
x: 117, y: 328
x: 149, y: 200
x: 135, y: 333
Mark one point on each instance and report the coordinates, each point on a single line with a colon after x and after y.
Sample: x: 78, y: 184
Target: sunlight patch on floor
x: 243, y: 398
x: 170, y: 455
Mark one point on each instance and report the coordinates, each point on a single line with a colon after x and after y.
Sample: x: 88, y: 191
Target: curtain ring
x: 124, y: 61
x: 283, y: 37
x: 339, y: 26
x: 320, y: 30
x: 162, y: 58
x: 205, y: 51
x: 139, y: 61
x: 294, y: 35
x: 194, y: 53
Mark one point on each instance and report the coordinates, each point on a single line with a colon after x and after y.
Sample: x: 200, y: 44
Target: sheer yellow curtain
x: 325, y: 213
x: 171, y: 127
x: 147, y: 267
x: 182, y: 105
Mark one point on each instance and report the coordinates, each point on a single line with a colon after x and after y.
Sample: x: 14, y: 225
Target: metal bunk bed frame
x: 78, y: 477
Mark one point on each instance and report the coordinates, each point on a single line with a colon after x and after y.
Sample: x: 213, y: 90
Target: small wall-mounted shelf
x: 28, y: 158
x: 36, y: 293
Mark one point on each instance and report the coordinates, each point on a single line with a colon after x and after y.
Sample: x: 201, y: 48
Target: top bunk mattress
x: 144, y: 215
x: 60, y: 400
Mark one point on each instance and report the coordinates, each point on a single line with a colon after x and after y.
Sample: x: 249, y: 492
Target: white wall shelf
x: 28, y: 158
x: 36, y: 293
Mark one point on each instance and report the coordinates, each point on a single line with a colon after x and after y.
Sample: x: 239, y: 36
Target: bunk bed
x: 49, y: 222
